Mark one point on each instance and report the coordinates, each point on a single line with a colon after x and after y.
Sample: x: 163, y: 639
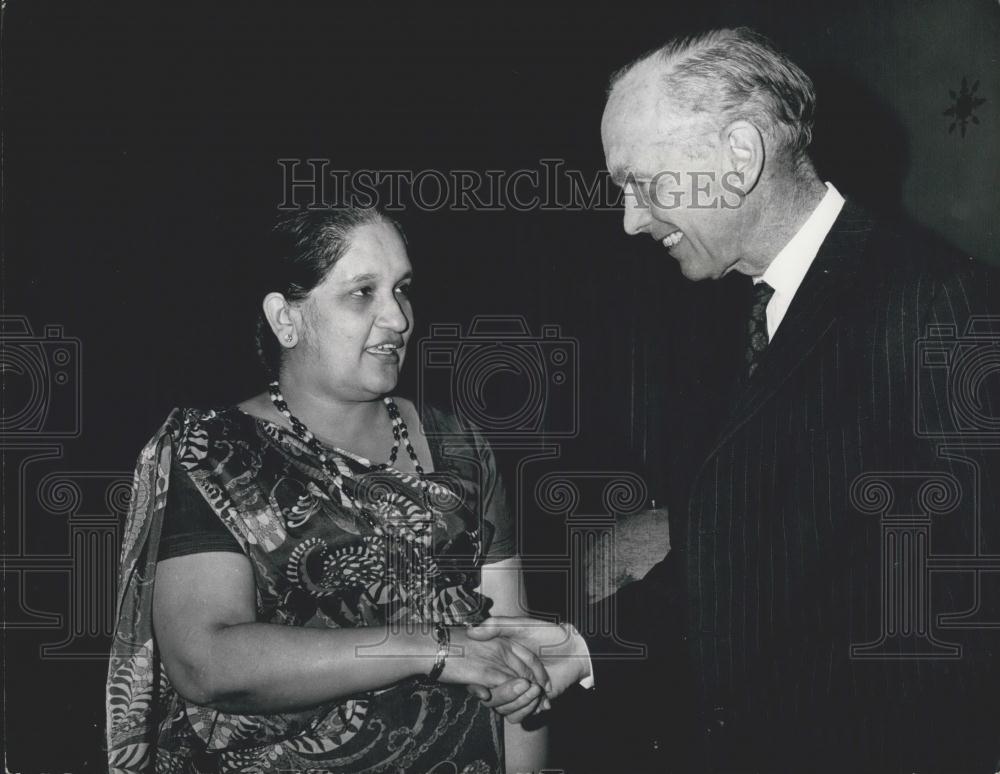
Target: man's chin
x: 695, y: 271
x: 696, y: 267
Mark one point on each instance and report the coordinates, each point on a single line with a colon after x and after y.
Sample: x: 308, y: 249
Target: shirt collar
x: 791, y: 264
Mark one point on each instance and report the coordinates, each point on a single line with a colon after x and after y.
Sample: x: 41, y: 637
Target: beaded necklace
x: 424, y: 601
x: 399, y: 432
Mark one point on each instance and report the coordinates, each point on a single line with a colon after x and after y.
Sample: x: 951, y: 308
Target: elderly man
x: 830, y: 603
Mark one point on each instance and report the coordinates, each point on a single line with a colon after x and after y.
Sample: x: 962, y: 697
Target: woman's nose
x: 393, y: 316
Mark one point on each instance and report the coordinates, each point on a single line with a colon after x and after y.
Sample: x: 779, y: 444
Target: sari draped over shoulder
x: 364, y: 546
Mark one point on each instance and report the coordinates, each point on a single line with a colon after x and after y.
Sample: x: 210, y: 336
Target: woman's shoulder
x: 435, y: 420
x: 259, y: 407
x: 195, y: 431
x: 442, y: 426
x: 214, y: 421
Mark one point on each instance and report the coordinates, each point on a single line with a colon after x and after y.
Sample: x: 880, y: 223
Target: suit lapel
x: 814, y: 310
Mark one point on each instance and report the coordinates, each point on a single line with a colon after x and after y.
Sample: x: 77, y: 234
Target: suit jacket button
x: 655, y: 745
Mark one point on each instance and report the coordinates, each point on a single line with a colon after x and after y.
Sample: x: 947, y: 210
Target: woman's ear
x: 745, y: 155
x: 283, y: 319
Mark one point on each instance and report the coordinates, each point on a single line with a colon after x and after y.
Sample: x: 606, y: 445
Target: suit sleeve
x: 636, y: 628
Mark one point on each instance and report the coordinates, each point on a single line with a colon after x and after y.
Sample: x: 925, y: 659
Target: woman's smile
x: 388, y: 351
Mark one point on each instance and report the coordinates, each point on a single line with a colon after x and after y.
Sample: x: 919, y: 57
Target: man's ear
x: 285, y: 320
x: 744, y: 149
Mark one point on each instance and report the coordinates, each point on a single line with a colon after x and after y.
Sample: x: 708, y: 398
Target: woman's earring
x: 288, y: 338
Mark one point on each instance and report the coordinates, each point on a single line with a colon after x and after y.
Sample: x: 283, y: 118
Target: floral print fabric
x: 364, y: 547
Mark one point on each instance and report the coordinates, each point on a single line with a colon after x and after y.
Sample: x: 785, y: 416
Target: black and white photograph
x: 500, y: 388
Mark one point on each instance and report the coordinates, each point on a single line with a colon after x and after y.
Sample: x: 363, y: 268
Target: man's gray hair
x: 731, y: 74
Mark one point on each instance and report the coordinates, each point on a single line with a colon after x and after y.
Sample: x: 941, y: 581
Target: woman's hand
x: 484, y: 665
x: 560, y: 647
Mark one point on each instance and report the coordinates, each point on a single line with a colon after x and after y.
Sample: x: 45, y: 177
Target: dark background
x: 140, y: 173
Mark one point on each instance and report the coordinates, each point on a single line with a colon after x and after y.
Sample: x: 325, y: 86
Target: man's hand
x: 496, y: 663
x: 559, y: 647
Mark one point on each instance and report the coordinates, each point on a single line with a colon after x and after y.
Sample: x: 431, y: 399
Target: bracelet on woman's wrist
x: 443, y: 637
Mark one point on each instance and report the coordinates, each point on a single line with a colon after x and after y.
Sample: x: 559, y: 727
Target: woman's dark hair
x: 304, y: 246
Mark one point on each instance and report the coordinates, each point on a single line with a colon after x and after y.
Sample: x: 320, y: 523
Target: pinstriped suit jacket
x: 778, y: 569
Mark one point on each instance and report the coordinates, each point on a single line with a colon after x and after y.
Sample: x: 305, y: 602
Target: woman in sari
x: 298, y: 570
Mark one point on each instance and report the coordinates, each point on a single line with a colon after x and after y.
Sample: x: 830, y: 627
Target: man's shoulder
x: 900, y: 253
x: 918, y: 249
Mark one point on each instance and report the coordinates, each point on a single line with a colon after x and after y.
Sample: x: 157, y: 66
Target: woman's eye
x: 404, y: 290
x: 362, y: 292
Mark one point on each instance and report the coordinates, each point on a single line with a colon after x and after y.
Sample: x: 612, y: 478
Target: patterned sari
x: 364, y: 547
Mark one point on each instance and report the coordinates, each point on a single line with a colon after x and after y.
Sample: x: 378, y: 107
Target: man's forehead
x: 631, y: 96
x: 639, y: 126
x: 643, y: 85
x: 635, y: 138
x: 639, y: 112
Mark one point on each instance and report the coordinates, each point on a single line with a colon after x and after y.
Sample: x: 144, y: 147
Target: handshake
x: 516, y: 665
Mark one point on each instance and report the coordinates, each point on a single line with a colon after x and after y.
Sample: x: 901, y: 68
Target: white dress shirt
x: 790, y: 265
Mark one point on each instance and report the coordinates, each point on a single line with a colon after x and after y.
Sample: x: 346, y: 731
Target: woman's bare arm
x: 526, y: 749
x: 216, y: 653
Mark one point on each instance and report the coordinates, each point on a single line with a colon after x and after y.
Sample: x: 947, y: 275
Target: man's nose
x: 637, y: 216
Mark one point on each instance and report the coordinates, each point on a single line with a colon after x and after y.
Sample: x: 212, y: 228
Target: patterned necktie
x: 757, y: 338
